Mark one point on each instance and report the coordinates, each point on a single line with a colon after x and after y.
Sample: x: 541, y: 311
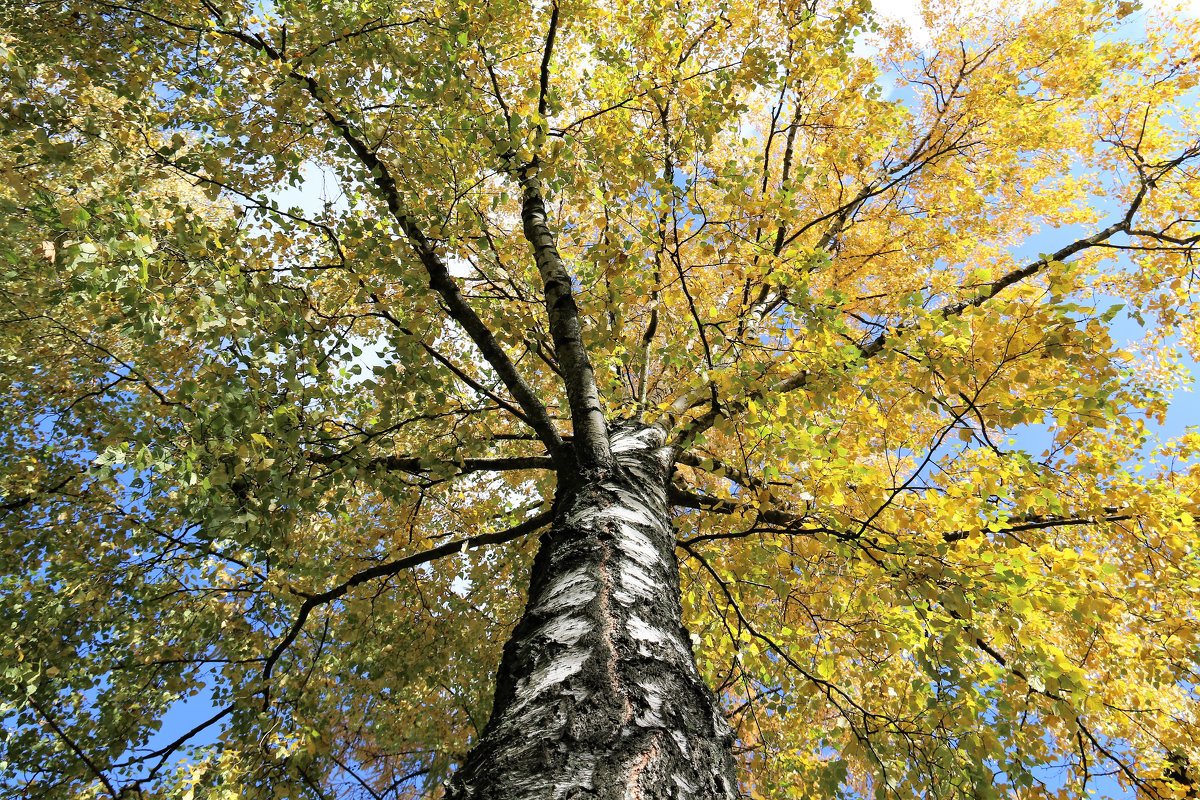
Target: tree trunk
x: 598, y: 695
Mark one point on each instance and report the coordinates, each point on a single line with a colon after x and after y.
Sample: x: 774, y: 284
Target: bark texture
x: 587, y: 417
x: 598, y: 695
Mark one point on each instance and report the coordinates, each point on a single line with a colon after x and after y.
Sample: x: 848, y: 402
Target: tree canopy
x: 877, y: 287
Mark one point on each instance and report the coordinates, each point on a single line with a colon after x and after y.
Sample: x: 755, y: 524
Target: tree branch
x: 415, y: 466
x: 782, y: 521
x: 547, y: 53
x: 385, y: 570
x: 74, y: 747
x: 693, y: 428
x: 587, y: 417
x: 440, y: 279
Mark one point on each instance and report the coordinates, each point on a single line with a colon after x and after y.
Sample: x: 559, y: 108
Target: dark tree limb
x: 688, y: 431
x: 769, y: 520
x: 385, y: 570
x: 547, y: 54
x: 74, y: 747
x: 440, y: 279
x: 414, y: 465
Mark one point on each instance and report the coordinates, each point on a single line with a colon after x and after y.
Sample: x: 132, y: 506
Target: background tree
x: 658, y: 280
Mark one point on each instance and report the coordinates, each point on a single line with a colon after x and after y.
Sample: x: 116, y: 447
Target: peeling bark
x: 598, y: 695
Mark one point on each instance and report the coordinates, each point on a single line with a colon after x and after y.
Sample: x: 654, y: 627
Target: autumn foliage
x: 912, y: 304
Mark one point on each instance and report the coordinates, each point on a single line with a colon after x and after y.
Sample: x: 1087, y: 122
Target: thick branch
x: 547, y: 53
x: 587, y: 417
x: 440, y: 279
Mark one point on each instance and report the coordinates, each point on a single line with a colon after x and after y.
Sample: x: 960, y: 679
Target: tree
x: 617, y: 317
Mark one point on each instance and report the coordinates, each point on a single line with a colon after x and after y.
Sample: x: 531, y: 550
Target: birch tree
x: 688, y: 399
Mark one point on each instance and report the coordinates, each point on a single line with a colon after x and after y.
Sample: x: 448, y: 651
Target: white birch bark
x: 598, y: 694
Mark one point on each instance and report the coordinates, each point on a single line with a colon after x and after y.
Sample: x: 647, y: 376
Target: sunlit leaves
x: 938, y: 546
